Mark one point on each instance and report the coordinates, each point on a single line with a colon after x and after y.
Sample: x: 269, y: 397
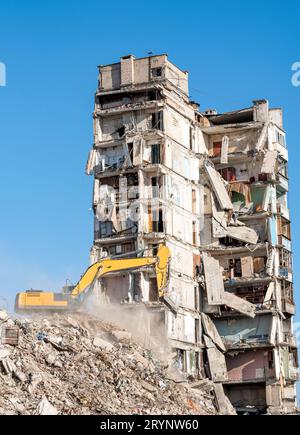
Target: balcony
x: 282, y: 183
x: 283, y: 211
x: 293, y: 373
x: 288, y: 306
x: 285, y: 243
x: 289, y: 339
x: 281, y: 149
x: 285, y: 273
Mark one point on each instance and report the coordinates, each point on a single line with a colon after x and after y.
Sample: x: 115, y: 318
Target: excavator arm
x: 47, y: 301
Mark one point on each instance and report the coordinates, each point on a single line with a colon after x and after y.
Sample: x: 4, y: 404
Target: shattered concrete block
x: 4, y: 353
x: 20, y: 376
x: 148, y: 387
x: 45, y: 408
x: 3, y: 316
x: 103, y: 344
x: 8, y: 365
x: 122, y: 335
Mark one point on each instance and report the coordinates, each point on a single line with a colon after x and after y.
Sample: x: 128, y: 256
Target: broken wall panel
x: 218, y: 187
x: 213, y: 280
x: 268, y: 166
x: 216, y: 360
x: 212, y: 332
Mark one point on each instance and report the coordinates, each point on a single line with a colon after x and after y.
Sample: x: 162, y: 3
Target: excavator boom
x: 37, y: 301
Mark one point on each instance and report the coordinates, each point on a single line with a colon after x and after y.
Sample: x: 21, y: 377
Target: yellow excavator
x: 72, y: 298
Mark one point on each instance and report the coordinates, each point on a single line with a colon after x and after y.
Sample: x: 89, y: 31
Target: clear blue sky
x: 235, y: 52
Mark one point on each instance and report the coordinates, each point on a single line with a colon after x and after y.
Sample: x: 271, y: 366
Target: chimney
x: 127, y: 70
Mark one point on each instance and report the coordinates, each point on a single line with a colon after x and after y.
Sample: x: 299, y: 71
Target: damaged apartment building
x: 213, y: 188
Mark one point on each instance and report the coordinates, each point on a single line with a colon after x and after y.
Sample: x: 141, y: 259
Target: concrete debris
x: 45, y: 408
x: 4, y: 353
x: 102, y: 344
x: 81, y: 365
x: 3, y: 316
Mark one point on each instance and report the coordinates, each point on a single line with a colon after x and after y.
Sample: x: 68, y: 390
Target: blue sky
x: 235, y: 52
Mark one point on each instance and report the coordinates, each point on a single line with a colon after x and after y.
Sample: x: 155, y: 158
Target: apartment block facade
x: 213, y: 188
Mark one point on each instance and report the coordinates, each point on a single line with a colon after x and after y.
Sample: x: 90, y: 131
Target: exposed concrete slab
x: 213, y: 279
x: 268, y: 166
x: 218, y: 186
x: 239, y: 304
x: 216, y: 360
x: 243, y: 233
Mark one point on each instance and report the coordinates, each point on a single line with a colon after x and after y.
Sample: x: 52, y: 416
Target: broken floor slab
x: 243, y: 233
x: 239, y: 304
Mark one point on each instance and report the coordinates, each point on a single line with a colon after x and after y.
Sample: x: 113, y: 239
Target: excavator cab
x: 72, y: 297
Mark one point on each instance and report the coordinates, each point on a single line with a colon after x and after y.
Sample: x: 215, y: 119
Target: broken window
x: 229, y: 174
x: 287, y: 292
x: 158, y: 225
x: 197, y: 298
x: 156, y: 72
x: 254, y: 294
x: 105, y: 230
x: 197, y: 331
x: 280, y: 138
x: 283, y: 168
x: 194, y: 226
x: 121, y: 131
x: 285, y: 259
x: 155, y: 187
x: 153, y: 293
x: 157, y: 120
x: 284, y: 227
x: 125, y: 248
x: 259, y: 264
x: 155, y: 154
x: 191, y: 138
x: 194, y: 198
x: 181, y: 362
x: 217, y: 148
x: 235, y: 268
x: 258, y: 198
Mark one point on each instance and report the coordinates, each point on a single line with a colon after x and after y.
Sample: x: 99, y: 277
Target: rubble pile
x: 81, y: 365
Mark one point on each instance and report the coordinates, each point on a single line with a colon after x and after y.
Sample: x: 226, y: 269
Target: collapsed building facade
x: 213, y: 188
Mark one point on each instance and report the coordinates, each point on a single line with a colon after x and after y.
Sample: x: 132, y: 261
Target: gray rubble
x: 80, y: 365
